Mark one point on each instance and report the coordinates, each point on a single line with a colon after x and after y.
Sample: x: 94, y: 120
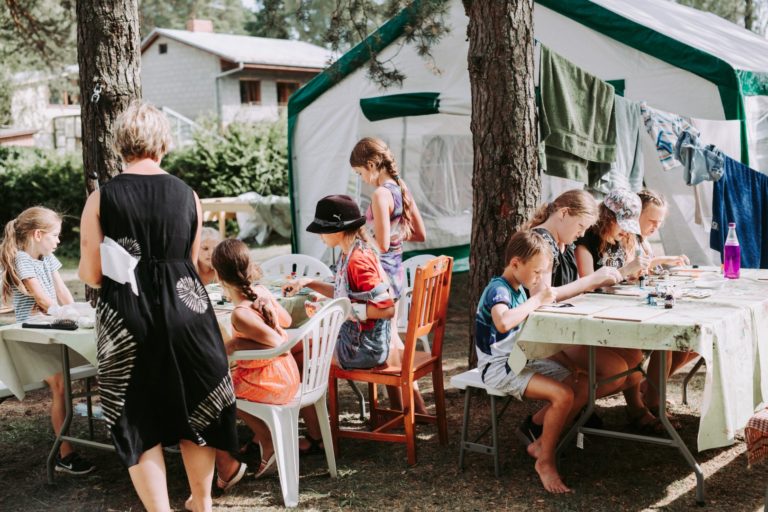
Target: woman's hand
x: 293, y: 286
x: 605, y: 276
x: 637, y: 266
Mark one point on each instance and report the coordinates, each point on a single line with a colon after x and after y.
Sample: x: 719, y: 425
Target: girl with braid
x: 258, y: 322
x: 394, y: 218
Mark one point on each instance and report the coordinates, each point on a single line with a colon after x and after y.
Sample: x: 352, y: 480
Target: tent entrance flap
x: 400, y: 105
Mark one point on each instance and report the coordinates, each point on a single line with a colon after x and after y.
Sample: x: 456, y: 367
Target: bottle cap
x: 731, y: 224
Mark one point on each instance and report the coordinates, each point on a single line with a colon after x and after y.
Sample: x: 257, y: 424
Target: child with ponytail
x: 258, y: 323
x: 31, y: 279
x: 394, y: 219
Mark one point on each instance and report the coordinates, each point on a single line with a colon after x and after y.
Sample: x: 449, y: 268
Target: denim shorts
x: 497, y: 374
x: 359, y: 349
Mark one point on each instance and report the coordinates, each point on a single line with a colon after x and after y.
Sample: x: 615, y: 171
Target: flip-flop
x: 266, y: 466
x: 225, y: 485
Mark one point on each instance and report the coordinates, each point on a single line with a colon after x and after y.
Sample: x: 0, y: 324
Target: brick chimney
x: 200, y: 25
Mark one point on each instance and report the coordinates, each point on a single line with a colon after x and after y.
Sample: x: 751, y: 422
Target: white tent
x: 676, y: 58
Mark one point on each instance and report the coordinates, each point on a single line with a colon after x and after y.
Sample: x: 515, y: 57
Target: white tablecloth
x: 28, y: 356
x: 729, y: 329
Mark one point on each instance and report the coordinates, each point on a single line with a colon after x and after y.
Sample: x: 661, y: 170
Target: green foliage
x: 242, y: 158
x: 228, y: 16
x: 32, y: 177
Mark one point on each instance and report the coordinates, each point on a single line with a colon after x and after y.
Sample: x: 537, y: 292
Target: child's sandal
x: 315, y: 446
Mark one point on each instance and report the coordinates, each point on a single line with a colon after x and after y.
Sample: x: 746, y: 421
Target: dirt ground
x: 607, y: 475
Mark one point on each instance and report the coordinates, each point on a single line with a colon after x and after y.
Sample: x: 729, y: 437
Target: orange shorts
x: 273, y: 381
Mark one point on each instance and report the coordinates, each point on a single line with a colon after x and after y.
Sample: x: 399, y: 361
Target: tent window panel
x: 250, y: 92
x: 446, y: 173
x: 757, y: 131
x: 284, y: 91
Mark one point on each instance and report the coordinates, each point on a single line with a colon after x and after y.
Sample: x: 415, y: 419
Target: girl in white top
x: 31, y: 278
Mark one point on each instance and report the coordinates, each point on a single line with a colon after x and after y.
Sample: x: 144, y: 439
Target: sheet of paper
x: 637, y: 313
x: 576, y: 308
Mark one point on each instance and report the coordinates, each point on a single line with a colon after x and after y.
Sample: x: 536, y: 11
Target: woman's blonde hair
x: 525, y: 245
x: 605, y: 223
x: 15, y: 237
x: 579, y: 203
x: 648, y: 196
x: 377, y: 152
x: 142, y: 131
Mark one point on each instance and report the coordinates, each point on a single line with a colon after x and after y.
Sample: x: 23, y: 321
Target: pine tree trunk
x: 108, y: 53
x: 505, y: 181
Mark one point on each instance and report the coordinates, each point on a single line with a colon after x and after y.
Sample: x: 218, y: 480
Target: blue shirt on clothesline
x: 741, y: 196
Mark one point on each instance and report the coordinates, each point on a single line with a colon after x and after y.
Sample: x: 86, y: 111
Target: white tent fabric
x: 435, y: 151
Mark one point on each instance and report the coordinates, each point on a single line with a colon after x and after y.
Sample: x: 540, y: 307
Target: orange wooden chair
x: 431, y: 288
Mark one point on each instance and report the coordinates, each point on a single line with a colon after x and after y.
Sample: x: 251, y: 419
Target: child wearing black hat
x: 364, y: 341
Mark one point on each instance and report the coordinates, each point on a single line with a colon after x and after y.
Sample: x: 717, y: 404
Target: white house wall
x: 233, y: 110
x: 183, y: 79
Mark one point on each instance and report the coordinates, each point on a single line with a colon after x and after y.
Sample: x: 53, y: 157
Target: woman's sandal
x: 266, y: 466
x: 225, y: 485
x: 315, y: 446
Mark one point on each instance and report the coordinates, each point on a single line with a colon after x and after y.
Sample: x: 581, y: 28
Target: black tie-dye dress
x: 163, y: 372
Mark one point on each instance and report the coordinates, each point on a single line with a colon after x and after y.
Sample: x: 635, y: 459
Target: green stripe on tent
x: 346, y: 64
x: 400, y: 105
x: 618, y: 86
x: 664, y: 48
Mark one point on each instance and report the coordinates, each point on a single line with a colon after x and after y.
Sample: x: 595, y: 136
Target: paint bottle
x: 669, y: 301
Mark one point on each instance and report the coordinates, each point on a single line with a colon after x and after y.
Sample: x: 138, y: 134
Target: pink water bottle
x: 731, y: 254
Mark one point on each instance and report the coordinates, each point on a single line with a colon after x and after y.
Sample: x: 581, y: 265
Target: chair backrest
x: 429, y: 306
x: 411, y: 264
x: 409, y: 267
x: 300, y: 264
x: 319, y: 337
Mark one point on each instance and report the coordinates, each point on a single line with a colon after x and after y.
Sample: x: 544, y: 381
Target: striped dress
x: 163, y: 372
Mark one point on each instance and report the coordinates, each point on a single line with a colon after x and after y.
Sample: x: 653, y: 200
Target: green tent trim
x: 459, y: 253
x: 400, y: 105
x: 347, y: 63
x: 666, y: 49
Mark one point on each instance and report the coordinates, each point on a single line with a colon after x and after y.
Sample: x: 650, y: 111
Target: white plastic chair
x: 404, y: 308
x: 319, y: 336
x: 301, y: 264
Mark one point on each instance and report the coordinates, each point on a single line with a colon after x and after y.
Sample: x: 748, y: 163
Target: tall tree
x: 505, y: 181
x: 108, y: 55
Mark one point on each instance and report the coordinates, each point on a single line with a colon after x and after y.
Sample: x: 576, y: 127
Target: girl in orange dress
x: 258, y: 323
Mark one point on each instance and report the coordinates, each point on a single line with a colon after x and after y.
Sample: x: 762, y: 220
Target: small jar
x: 641, y: 281
x: 669, y: 301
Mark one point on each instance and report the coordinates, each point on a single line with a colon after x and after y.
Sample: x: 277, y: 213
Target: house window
x: 250, y: 92
x: 284, y: 91
x: 64, y: 92
x: 163, y: 48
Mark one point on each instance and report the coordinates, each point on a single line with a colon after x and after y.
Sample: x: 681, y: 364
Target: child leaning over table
x: 501, y: 312
x: 31, y: 277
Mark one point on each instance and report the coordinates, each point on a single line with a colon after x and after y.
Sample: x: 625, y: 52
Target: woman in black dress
x: 163, y: 369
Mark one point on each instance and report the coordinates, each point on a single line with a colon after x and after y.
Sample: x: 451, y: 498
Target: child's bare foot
x: 534, y: 449
x: 550, y: 478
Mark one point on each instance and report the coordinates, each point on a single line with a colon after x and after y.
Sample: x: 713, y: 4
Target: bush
x: 241, y: 158
x: 36, y: 177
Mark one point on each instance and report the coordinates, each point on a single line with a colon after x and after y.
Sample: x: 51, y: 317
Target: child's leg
x: 607, y: 364
x: 675, y: 361
x: 560, y: 398
x: 260, y: 432
x: 58, y: 410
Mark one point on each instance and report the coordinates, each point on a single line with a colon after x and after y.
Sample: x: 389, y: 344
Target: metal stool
x: 469, y: 381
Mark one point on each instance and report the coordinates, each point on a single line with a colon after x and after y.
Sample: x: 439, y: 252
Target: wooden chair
x: 432, y: 285
x: 404, y: 307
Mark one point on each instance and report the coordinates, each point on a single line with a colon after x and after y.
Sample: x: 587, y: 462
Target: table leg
x: 51, y: 464
x: 676, y: 439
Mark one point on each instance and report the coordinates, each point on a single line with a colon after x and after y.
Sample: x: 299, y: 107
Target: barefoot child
x: 31, y: 277
x: 502, y: 309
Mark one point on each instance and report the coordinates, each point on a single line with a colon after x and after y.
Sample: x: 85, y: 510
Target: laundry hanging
x: 577, y: 123
x: 700, y: 162
x: 628, y: 168
x: 741, y: 196
x: 665, y: 128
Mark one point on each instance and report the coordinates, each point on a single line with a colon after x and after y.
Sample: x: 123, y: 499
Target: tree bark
x: 108, y: 53
x: 505, y: 180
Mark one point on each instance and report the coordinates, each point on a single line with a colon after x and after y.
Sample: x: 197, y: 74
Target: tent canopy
x: 676, y: 58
